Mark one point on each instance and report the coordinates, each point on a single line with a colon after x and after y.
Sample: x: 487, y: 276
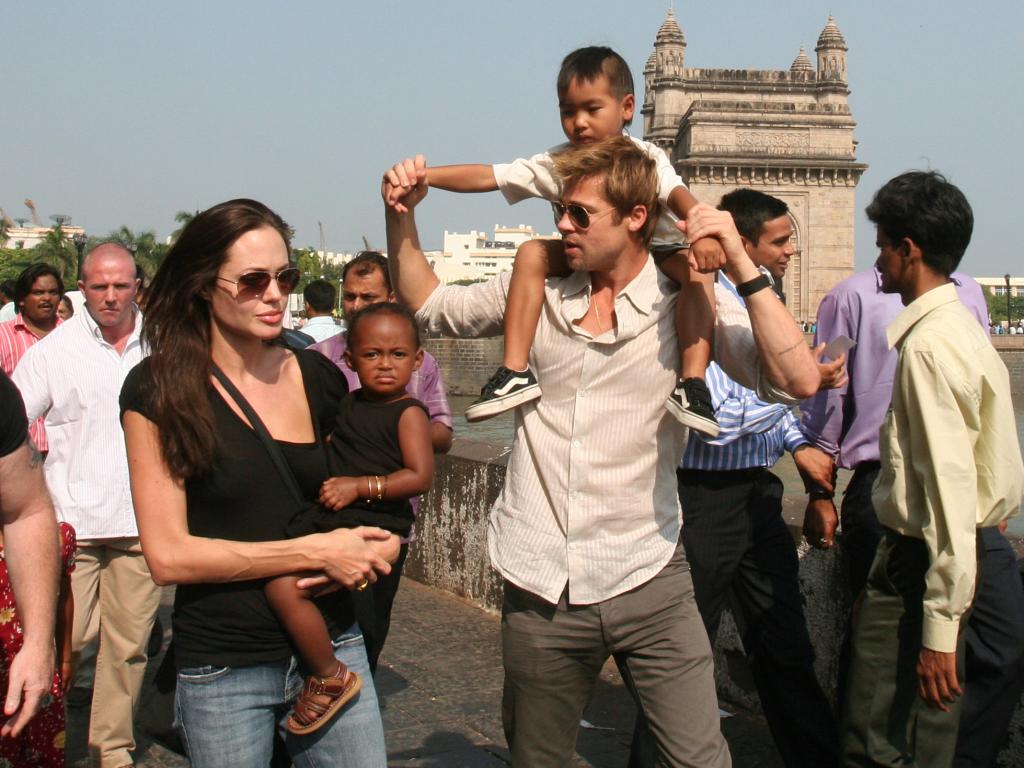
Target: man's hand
x: 405, y: 184
x: 820, y: 522
x: 936, y: 679
x: 833, y: 373
x: 703, y: 221
x: 31, y: 675
x: 816, y: 468
x: 706, y: 255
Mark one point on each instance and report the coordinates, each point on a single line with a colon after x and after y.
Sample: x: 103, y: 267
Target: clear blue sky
x: 127, y: 112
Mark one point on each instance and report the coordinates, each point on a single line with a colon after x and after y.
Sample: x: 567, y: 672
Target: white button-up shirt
x: 590, y: 495
x: 74, y: 377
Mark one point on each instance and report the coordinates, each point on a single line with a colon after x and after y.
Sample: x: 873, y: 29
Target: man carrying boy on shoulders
x: 586, y: 529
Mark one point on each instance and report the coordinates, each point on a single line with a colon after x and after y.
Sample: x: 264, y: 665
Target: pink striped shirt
x: 15, y: 338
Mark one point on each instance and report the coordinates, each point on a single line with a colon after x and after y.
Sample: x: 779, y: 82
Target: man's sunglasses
x: 578, y: 215
x: 259, y: 280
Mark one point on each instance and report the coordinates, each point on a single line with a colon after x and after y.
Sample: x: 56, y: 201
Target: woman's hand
x: 351, y: 556
x: 339, y: 492
x: 388, y: 549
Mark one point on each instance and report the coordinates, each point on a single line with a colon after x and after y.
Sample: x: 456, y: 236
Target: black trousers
x: 994, y: 659
x: 742, y: 555
x: 373, y: 608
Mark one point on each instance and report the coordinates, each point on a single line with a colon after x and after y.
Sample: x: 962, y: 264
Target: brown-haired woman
x: 212, y: 505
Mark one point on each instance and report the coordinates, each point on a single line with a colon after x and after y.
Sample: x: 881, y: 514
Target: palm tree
x: 143, y: 245
x: 183, y: 218
x: 57, y: 249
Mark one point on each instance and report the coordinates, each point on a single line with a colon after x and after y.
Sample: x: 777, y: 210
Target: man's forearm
x: 411, y: 275
x: 32, y: 551
x: 786, y: 360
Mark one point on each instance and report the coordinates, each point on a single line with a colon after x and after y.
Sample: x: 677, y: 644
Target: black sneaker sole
x: 498, y: 405
x: 692, y: 420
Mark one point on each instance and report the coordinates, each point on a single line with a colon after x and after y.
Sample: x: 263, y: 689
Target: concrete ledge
x: 450, y: 553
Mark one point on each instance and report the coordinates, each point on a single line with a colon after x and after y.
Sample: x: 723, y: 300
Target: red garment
x: 15, y: 339
x: 42, y: 741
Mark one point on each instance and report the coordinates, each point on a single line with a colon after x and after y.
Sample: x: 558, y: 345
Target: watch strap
x: 753, y: 286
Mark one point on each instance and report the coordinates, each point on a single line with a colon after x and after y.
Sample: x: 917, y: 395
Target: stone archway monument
x: 788, y: 133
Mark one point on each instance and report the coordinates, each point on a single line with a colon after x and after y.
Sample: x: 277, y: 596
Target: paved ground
x: 440, y: 687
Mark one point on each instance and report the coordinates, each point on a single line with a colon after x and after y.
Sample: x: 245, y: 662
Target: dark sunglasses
x: 259, y: 280
x: 578, y: 215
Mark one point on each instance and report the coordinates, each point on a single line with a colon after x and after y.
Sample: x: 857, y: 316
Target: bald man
x: 73, y: 377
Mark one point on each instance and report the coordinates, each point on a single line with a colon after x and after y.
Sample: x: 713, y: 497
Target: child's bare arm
x: 452, y: 178
x: 417, y: 456
x: 706, y: 254
x: 463, y: 178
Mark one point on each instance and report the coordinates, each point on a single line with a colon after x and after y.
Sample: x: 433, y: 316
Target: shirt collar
x: 321, y: 320
x: 20, y: 325
x: 94, y: 329
x: 917, y: 309
x: 642, y: 291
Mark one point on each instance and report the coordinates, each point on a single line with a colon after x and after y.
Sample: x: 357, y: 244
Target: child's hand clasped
x: 339, y: 492
x: 706, y: 255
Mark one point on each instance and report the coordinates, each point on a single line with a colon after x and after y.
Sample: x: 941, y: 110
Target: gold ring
x: 363, y: 585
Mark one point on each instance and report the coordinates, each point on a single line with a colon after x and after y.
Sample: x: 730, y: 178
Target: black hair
x: 384, y: 308
x: 7, y: 289
x: 926, y: 208
x: 365, y: 262
x: 29, y: 275
x: 320, y: 295
x: 751, y: 210
x: 587, y: 64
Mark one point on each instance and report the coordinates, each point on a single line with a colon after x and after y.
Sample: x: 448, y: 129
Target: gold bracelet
x: 369, y: 491
x: 380, y: 487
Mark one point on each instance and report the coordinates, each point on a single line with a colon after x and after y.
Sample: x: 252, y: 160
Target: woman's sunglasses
x: 578, y: 215
x: 259, y: 280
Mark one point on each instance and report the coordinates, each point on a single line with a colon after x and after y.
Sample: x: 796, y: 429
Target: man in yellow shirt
x: 951, y: 465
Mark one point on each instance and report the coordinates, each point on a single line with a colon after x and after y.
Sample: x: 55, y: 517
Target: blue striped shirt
x: 754, y: 433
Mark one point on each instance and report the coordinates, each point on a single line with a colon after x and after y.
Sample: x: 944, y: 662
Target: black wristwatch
x: 753, y: 286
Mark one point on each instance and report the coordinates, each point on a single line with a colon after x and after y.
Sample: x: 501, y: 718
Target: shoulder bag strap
x: 276, y: 456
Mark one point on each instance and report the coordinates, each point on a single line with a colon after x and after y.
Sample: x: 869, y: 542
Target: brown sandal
x: 321, y: 699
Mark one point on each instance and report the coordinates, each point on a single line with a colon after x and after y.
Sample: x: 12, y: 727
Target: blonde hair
x: 630, y: 175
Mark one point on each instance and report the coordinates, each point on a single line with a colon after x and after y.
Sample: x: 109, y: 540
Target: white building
x: 30, y: 237
x: 997, y: 285
x: 475, y: 256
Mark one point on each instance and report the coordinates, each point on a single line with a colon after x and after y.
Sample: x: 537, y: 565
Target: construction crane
x: 32, y: 207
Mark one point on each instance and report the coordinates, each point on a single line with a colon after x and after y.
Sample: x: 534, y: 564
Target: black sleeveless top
x: 244, y: 499
x: 364, y: 441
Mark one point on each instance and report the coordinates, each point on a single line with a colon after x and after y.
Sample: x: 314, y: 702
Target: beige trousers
x: 116, y: 599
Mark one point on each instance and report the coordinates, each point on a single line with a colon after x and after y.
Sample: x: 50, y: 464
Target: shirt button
x: 582, y: 393
x: 577, y: 443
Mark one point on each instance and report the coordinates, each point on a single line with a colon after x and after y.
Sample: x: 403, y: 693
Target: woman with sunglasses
x: 212, y: 501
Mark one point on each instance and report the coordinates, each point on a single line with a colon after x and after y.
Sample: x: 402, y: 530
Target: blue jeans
x: 227, y: 715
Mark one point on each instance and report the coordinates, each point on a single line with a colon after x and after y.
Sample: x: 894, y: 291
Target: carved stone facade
x: 785, y: 132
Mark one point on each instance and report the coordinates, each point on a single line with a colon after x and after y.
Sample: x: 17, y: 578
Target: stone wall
x: 1011, y: 348
x: 450, y: 553
x: 466, y: 364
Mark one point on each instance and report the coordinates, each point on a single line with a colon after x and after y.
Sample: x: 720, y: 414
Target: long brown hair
x: 177, y: 330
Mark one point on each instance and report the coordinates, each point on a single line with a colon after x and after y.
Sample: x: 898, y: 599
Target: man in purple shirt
x: 365, y: 281
x: 843, y: 424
